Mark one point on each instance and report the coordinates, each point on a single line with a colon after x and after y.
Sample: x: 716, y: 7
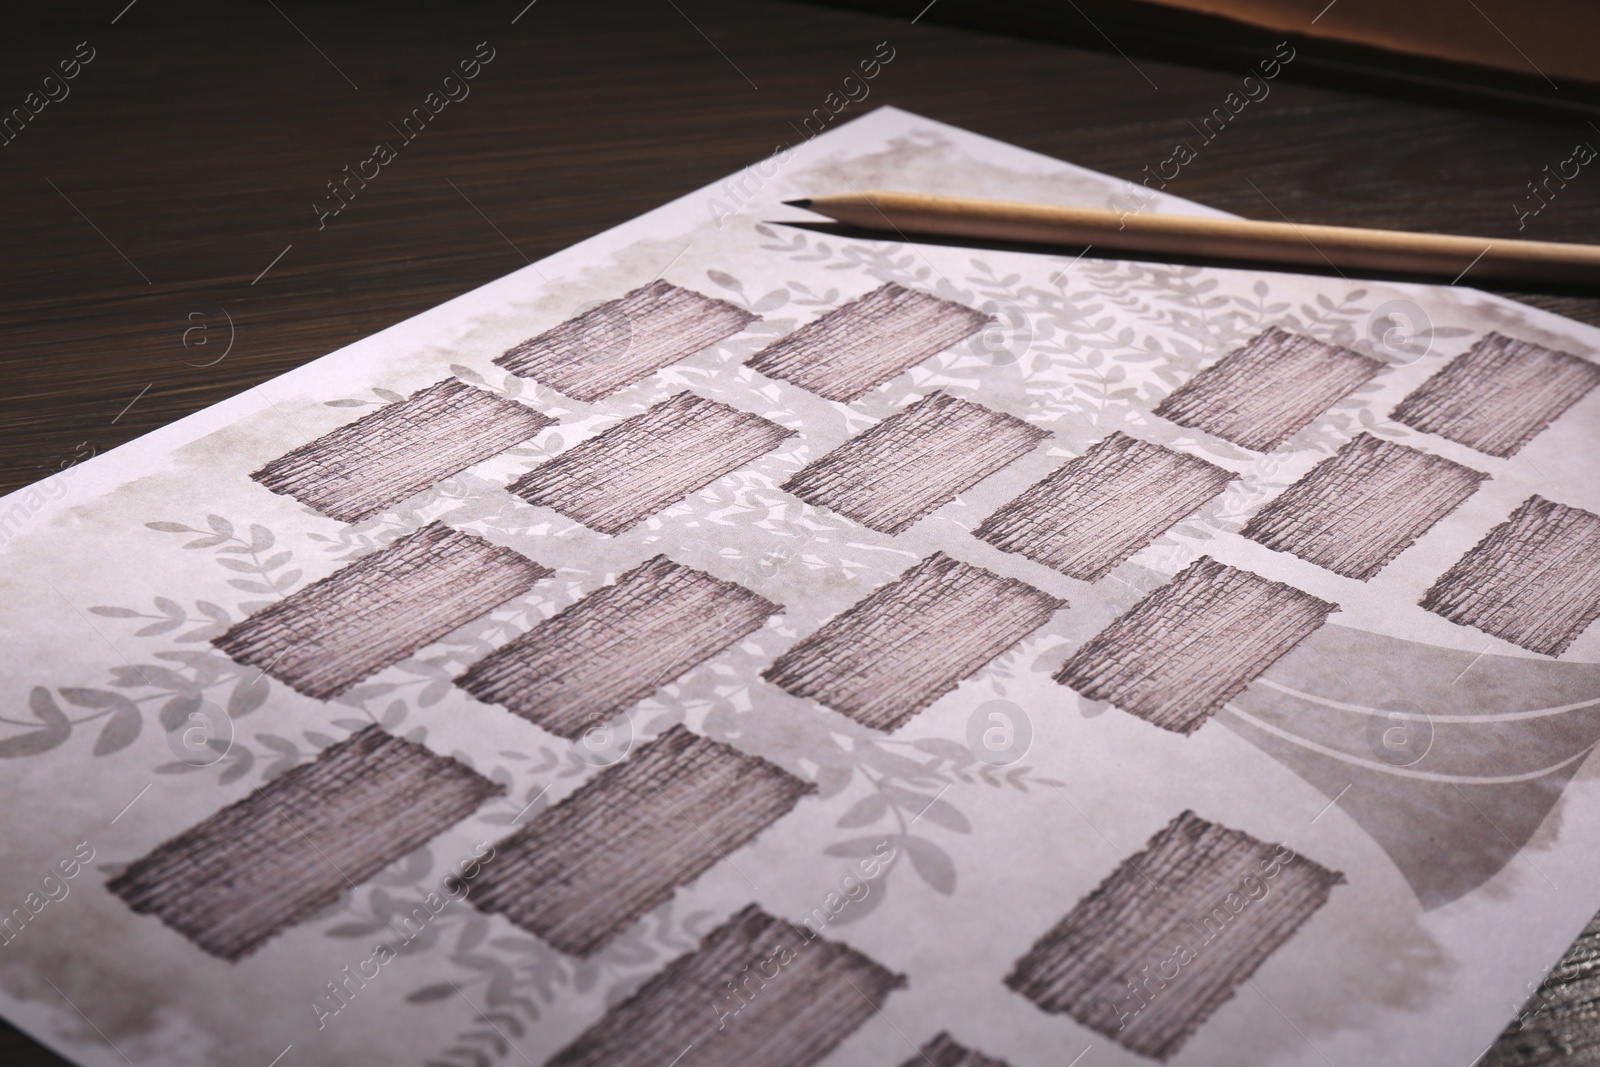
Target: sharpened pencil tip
x: 799, y: 203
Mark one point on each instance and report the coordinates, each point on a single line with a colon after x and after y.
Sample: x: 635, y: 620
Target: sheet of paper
x: 731, y: 643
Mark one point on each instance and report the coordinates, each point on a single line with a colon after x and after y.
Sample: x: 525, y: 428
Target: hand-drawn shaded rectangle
x: 616, y: 646
x: 356, y: 471
x: 1499, y: 395
x: 1361, y: 507
x: 1182, y: 652
x: 911, y: 641
x: 1534, y: 580
x: 944, y: 1051
x: 649, y: 462
x: 585, y: 870
x: 1260, y: 395
x: 717, y: 999
x: 290, y: 848
x: 855, y: 348
x: 626, y: 340
x: 1102, y: 507
x: 380, y: 609
x: 1211, y: 901
x: 914, y: 461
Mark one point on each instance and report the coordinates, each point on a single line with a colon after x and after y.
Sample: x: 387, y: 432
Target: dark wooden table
x: 172, y: 190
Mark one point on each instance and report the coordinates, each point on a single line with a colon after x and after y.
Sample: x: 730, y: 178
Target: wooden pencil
x: 1339, y: 247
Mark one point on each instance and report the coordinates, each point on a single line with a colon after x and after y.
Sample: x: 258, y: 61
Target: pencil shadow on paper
x: 1449, y: 760
x: 845, y: 232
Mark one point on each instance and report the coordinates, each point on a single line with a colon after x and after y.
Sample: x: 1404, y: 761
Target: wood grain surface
x: 141, y: 212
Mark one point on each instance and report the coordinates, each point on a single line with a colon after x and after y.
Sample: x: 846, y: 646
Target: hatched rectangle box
x: 1260, y: 395
x: 1100, y: 508
x: 1211, y: 902
x: 373, y: 613
x: 855, y: 348
x: 945, y: 1051
x: 622, y: 341
x: 616, y: 646
x: 911, y: 641
x: 649, y: 462
x: 914, y: 461
x: 1534, y: 580
x: 1499, y: 395
x: 787, y: 998
x: 1357, y: 510
x: 292, y: 847
x: 583, y: 871
x: 358, y: 470
x: 1175, y: 658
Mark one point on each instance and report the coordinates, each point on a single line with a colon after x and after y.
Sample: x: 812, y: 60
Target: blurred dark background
x: 135, y: 213
x: 138, y: 214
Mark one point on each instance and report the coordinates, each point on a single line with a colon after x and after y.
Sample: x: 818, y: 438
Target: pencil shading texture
x: 293, y: 846
x: 1499, y: 395
x: 358, y: 470
x: 616, y: 646
x: 1262, y: 394
x: 1534, y: 580
x: 944, y: 1051
x: 373, y: 613
x: 1357, y: 510
x: 1100, y: 508
x: 645, y: 464
x: 914, y: 461
x: 857, y: 347
x: 911, y: 641
x: 625, y: 340
x: 1183, y: 651
x: 822, y: 993
x: 1194, y: 885
x: 582, y: 872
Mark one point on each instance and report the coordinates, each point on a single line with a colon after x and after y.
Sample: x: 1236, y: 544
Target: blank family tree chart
x: 729, y: 644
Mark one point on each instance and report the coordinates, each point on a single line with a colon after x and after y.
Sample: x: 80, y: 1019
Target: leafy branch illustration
x: 904, y: 807
x: 1074, y: 332
x: 51, y: 726
x: 385, y: 396
x: 908, y: 779
x: 183, y: 685
x: 772, y: 301
x: 183, y: 682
